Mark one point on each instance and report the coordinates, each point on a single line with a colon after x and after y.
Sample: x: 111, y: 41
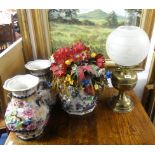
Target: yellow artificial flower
x: 69, y: 79
x: 93, y: 54
x: 68, y: 62
x: 71, y: 82
x: 96, y: 86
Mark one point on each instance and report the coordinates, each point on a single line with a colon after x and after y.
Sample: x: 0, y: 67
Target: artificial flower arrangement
x: 78, y: 73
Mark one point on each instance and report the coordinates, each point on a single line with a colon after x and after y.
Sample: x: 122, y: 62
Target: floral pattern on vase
x: 40, y: 68
x: 27, y: 114
x: 77, y: 102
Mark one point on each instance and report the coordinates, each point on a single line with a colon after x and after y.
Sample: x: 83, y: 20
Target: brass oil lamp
x: 126, y: 46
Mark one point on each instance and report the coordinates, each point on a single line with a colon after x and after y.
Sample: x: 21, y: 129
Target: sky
x: 118, y: 11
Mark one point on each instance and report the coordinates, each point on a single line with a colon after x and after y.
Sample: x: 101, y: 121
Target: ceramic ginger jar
x: 40, y: 68
x: 27, y: 113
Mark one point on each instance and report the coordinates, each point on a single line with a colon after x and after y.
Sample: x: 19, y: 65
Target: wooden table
x: 2, y: 126
x: 102, y: 126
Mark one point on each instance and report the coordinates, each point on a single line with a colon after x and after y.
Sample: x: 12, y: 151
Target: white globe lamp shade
x: 127, y: 45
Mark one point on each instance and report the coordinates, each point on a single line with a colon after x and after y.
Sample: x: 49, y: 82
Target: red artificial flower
x: 58, y: 70
x: 79, y: 47
x: 76, y: 53
x: 61, y: 55
x: 100, y: 60
x: 80, y: 52
x: 82, y: 69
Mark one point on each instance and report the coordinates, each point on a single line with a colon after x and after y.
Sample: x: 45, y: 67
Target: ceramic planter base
x: 78, y: 102
x: 30, y: 134
x: 81, y: 112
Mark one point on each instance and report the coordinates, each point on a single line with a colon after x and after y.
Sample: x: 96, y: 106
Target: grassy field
x: 63, y: 35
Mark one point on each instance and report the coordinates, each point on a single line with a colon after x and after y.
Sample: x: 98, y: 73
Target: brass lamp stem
x: 121, y: 94
x: 123, y: 79
x: 121, y: 103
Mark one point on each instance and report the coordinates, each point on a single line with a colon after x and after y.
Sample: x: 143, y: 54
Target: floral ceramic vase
x: 27, y: 113
x: 40, y: 68
x: 77, y: 102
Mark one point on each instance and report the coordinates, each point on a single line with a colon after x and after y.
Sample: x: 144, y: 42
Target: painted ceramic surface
x: 78, y: 102
x: 40, y: 68
x: 44, y: 90
x: 27, y: 113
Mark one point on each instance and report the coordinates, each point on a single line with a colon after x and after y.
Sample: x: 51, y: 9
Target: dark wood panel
x: 102, y: 126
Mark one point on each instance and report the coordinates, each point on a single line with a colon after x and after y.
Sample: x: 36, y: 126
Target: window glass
x: 9, y: 28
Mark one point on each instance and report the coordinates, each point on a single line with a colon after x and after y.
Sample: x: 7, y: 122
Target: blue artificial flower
x: 108, y: 74
x: 85, y: 82
x: 49, y: 84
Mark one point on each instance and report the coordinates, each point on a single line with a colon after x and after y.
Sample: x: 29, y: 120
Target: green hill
x: 96, y: 14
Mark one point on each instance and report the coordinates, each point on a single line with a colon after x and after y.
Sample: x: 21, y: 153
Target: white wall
x: 142, y: 76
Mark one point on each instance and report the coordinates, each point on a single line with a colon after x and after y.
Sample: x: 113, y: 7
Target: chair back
x: 7, y: 33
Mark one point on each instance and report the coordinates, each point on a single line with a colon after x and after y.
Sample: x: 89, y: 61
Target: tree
x: 62, y: 15
x: 53, y: 14
x: 112, y: 19
x: 71, y: 13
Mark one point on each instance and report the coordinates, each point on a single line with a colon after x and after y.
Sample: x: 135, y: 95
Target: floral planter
x: 78, y: 75
x: 40, y: 68
x: 27, y: 113
x: 77, y: 102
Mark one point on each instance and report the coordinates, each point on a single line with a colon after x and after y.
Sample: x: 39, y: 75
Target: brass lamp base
x: 123, y: 79
x: 121, y: 103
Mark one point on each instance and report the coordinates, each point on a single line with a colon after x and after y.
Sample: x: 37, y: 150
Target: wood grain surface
x: 102, y: 126
x: 11, y: 64
x: 2, y: 124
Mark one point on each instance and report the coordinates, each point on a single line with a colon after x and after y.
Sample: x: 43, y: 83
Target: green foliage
x: 63, y: 35
x: 112, y: 20
x: 105, y: 23
x: 138, y: 11
x: 87, y: 22
x: 92, y: 28
x: 62, y: 14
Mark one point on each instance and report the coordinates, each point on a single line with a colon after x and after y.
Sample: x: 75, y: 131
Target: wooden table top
x: 102, y: 126
x: 2, y: 124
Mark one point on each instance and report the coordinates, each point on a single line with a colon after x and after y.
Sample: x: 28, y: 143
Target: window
x: 9, y: 28
x: 89, y: 26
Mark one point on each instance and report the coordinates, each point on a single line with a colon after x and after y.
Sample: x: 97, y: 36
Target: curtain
x: 34, y: 30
